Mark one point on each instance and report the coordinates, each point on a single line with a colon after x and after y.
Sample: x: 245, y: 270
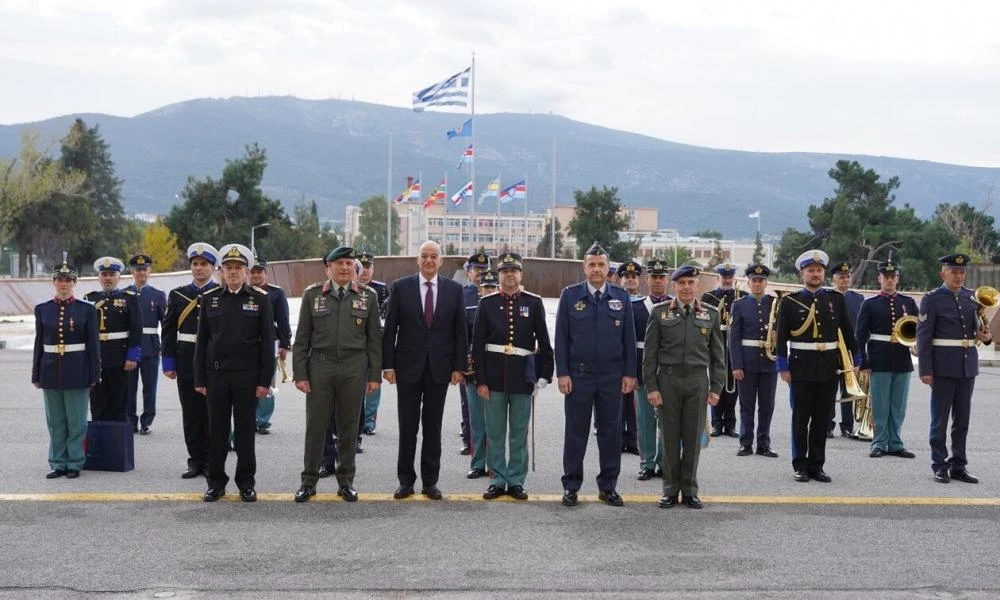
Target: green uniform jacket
x: 675, y: 341
x: 341, y: 329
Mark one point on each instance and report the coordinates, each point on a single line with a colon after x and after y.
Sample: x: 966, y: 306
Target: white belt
x: 640, y: 345
x: 508, y: 349
x: 724, y: 327
x: 881, y: 337
x: 953, y: 343
x: 64, y: 348
x: 187, y: 337
x: 817, y: 346
x: 115, y: 335
x: 753, y: 343
x: 151, y: 330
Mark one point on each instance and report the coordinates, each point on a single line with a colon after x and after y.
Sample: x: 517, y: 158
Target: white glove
x: 541, y: 383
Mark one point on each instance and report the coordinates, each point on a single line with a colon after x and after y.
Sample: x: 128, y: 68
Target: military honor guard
x: 595, y: 365
x: 366, y: 277
x: 629, y: 273
x: 336, y: 360
x: 752, y: 361
x: 283, y: 334
x: 684, y: 369
x: 152, y: 308
x: 475, y: 266
x: 840, y: 275
x: 120, y: 326
x: 814, y: 342
x: 886, y: 330
x: 65, y: 366
x: 722, y: 299
x: 180, y: 329
x: 949, y: 327
x: 488, y: 284
x: 513, y: 357
x: 233, y: 367
x: 650, y: 446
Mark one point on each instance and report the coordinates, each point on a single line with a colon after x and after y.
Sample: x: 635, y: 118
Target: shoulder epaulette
x: 217, y: 288
x: 574, y: 285
x: 274, y: 286
x: 833, y: 290
x: 635, y: 299
x: 85, y: 301
x: 312, y: 286
x: 259, y: 289
x: 526, y: 293
x: 129, y: 292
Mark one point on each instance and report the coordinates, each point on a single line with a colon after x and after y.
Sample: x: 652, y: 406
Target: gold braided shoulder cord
x: 810, y: 320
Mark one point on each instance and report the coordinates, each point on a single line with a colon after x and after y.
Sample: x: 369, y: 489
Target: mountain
x: 336, y: 152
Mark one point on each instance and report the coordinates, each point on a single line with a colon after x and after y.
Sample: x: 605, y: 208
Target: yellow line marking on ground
x: 540, y: 498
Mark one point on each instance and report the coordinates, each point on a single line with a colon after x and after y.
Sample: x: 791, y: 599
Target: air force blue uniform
x: 747, y: 342
x: 152, y: 308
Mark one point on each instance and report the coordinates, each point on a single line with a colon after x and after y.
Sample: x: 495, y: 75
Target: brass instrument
x: 854, y: 391
x: 904, y: 331
x: 864, y: 422
x: 284, y: 372
x: 985, y: 296
x: 771, y: 341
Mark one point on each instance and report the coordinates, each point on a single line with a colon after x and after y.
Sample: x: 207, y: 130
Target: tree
x: 718, y: 255
x: 759, y: 256
x: 679, y: 255
x: 710, y: 234
x: 599, y: 219
x: 161, y: 245
x: 450, y: 250
x: 304, y: 238
x: 974, y: 229
x: 545, y: 244
x: 371, y: 226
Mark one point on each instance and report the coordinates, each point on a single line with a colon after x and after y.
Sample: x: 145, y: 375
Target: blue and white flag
x: 462, y: 194
x: 516, y: 191
x: 467, y: 156
x: 464, y: 131
x: 492, y: 190
x: 453, y: 91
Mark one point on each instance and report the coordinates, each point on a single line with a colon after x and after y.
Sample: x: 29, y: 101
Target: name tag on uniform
x: 667, y: 316
x: 615, y: 304
x: 319, y: 304
x: 215, y: 302
x: 525, y: 311
x: 702, y: 314
x: 359, y: 304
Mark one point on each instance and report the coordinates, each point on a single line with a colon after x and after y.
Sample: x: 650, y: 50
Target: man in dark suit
x: 424, y: 349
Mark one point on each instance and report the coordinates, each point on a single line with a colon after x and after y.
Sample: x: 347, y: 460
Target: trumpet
x: 284, y: 372
x: 985, y: 296
x: 771, y: 343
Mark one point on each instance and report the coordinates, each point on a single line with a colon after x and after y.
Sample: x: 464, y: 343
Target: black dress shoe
x: 847, y: 434
x: 693, y: 502
x: 962, y: 475
x: 192, y: 472
x: 732, y: 433
x: 403, y: 491
x: 903, y: 453
x: 645, y: 474
x: 74, y: 473
x: 304, y: 493
x: 213, y: 494
x: 465, y: 450
x: 368, y: 431
x: 610, y: 497
x: 248, y: 495
x: 630, y: 449
x: 476, y: 473
x: 829, y: 435
x: 569, y: 498
x: 326, y: 471
x: 493, y: 492
x: 432, y: 492
x: 264, y: 429
x: 821, y: 476
x: 55, y: 474
x: 767, y: 452
x: 517, y: 492
x: 348, y: 493
x: 145, y: 430
x: 744, y: 451
x: 877, y: 453
x: 135, y: 429
x: 941, y: 476
x: 716, y: 432
x: 668, y: 502
x: 801, y: 476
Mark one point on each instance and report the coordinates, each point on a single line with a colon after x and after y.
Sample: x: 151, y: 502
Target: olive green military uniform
x: 684, y: 359
x: 338, y: 349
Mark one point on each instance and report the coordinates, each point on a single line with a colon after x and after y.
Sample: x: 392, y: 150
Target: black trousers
x: 232, y: 395
x: 846, y: 412
x: 420, y: 404
x: 628, y: 420
x: 724, y: 413
x: 466, y: 433
x: 107, y: 398
x: 811, y: 403
x: 194, y: 417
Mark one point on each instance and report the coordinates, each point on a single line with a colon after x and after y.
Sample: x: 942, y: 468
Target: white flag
x: 754, y: 215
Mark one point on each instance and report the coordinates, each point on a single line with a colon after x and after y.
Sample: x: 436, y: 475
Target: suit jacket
x: 408, y: 345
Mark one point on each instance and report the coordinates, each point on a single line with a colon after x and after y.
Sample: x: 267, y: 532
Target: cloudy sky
x: 916, y: 79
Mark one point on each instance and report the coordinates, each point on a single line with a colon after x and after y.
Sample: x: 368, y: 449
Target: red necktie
x: 429, y: 304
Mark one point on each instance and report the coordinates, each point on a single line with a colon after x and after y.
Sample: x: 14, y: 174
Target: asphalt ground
x: 882, y: 529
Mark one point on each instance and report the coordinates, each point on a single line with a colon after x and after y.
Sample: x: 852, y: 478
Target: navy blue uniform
x: 382, y: 292
x: 747, y: 341
x: 121, y: 338
x: 283, y: 333
x: 152, y: 307
x: 724, y: 413
x: 595, y: 346
x: 471, y: 294
x: 645, y: 415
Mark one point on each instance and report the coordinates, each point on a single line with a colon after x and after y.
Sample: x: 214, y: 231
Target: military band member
x: 751, y: 367
x: 841, y: 277
x: 947, y: 332
x: 282, y: 331
x: 629, y: 273
x: 152, y: 307
x: 475, y: 266
x: 684, y: 368
x: 513, y: 356
x: 808, y: 360
x: 488, y: 284
x: 233, y: 368
x: 373, y: 399
x: 180, y: 329
x: 65, y: 365
x: 722, y: 298
x: 886, y: 361
x: 595, y: 364
x: 650, y: 446
x: 337, y: 359
x: 121, y: 341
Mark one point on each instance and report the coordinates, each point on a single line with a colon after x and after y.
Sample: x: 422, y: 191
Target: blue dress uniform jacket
x: 853, y: 300
x: 641, y: 307
x: 608, y: 345
x: 750, y: 317
x: 811, y: 365
x: 181, y: 319
x: 279, y: 309
x: 517, y: 321
x: 235, y: 333
x: 471, y: 294
x: 120, y: 326
x: 948, y: 316
x: 382, y: 292
x: 152, y: 308
x: 66, y: 322
x: 876, y: 317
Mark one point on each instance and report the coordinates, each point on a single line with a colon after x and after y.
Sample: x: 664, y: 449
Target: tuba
x: 985, y: 296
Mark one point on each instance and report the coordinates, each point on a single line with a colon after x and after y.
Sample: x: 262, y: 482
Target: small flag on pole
x: 754, y: 215
x: 517, y: 191
x: 467, y: 157
x: 414, y: 192
x: 492, y: 190
x: 453, y: 91
x: 438, y: 195
x: 407, y: 194
x: 461, y: 194
x: 464, y: 131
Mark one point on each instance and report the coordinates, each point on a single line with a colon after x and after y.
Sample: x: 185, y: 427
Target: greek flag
x: 453, y: 91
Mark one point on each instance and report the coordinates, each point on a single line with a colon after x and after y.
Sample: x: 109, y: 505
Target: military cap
x: 725, y: 269
x: 489, y: 279
x: 341, y: 252
x: 108, y: 263
x: 64, y: 270
x: 510, y: 260
x: 478, y: 261
x: 366, y: 257
x: 203, y: 250
x: 758, y: 271
x: 612, y: 269
x: 140, y: 261
x: 596, y: 250
x: 629, y: 267
x: 258, y: 264
x: 655, y: 266
x: 236, y: 253
x: 888, y: 268
x: 812, y: 257
x: 840, y: 267
x: 955, y: 260
x: 685, y: 271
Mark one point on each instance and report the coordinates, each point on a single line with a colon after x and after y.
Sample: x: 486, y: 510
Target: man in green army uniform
x: 683, y: 368
x: 337, y: 349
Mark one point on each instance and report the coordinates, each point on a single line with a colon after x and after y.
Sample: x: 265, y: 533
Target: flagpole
x: 758, y: 221
x: 496, y: 224
x: 472, y: 163
x: 525, y: 216
x: 444, y: 215
x: 423, y: 213
x: 553, y: 224
x: 388, y: 203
